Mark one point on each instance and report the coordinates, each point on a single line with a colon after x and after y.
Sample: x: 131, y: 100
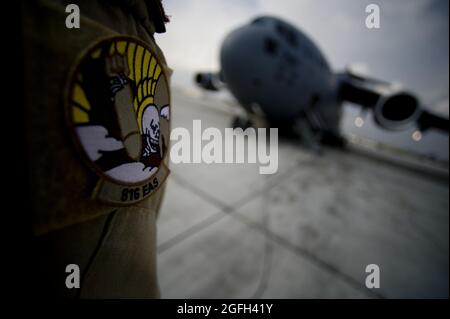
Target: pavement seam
x: 306, y: 254
x: 191, y: 231
x: 226, y: 210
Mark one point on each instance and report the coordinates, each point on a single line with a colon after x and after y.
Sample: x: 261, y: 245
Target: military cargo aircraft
x: 274, y: 69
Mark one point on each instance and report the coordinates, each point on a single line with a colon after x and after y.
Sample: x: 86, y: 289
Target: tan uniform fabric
x: 114, y: 247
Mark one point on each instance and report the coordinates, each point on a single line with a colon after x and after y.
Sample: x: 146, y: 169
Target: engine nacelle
x: 209, y: 81
x: 397, y: 111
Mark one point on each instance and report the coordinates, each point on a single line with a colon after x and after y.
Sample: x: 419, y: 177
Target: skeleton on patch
x: 151, y: 154
x: 144, y: 148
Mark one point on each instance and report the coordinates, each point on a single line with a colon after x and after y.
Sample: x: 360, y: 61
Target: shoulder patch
x: 118, y: 111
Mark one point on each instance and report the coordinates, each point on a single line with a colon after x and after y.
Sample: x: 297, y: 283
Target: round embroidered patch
x: 118, y: 110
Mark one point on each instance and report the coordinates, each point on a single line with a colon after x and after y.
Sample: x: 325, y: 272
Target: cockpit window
x: 270, y: 46
x: 287, y: 33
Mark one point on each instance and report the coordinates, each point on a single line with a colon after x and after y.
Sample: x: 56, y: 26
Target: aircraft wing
x: 429, y: 120
x: 393, y: 107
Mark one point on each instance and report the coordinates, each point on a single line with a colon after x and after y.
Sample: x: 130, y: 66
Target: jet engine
x: 397, y: 111
x: 209, y: 81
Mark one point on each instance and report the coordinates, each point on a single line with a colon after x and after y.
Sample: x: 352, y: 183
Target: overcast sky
x: 411, y: 47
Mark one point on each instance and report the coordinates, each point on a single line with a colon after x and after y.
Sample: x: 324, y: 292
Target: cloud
x: 197, y: 27
x: 94, y: 139
x: 359, y: 68
x: 131, y: 172
x: 165, y: 113
x: 442, y: 107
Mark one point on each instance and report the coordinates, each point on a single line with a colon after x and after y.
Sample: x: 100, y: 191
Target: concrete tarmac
x: 308, y: 231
